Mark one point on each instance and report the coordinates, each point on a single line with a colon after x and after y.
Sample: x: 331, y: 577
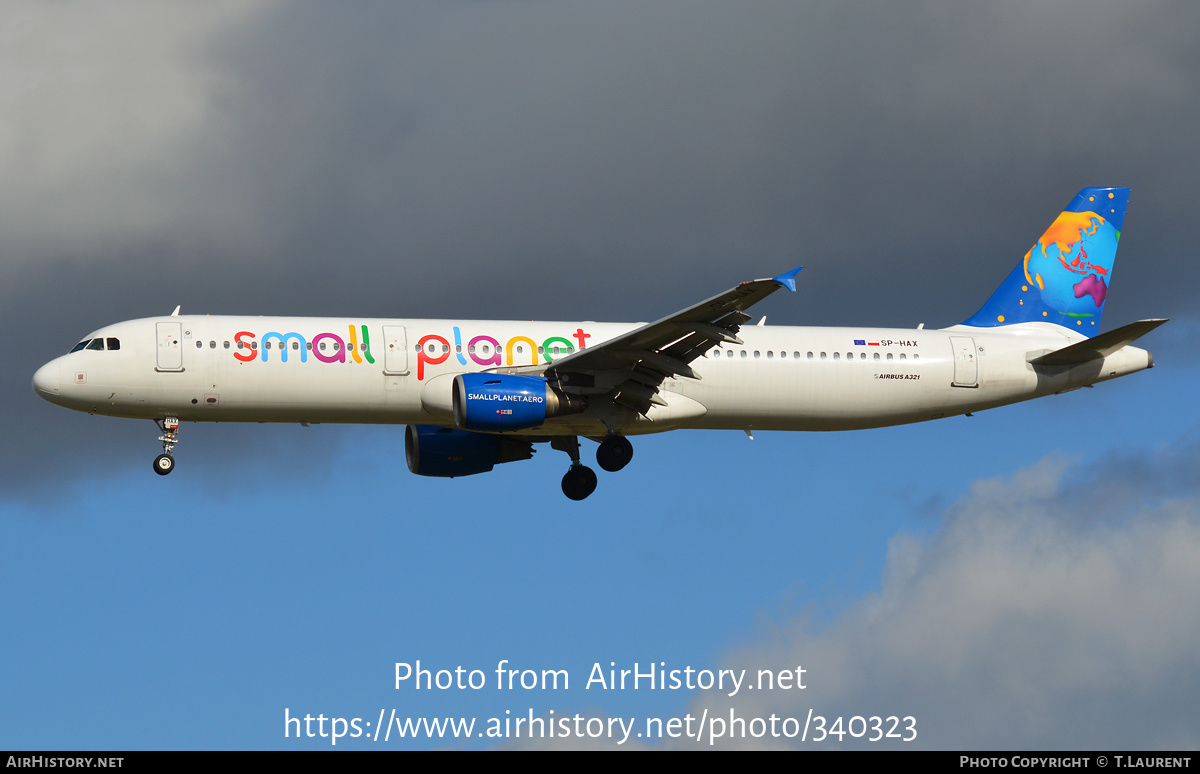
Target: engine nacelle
x: 494, y: 403
x: 447, y: 453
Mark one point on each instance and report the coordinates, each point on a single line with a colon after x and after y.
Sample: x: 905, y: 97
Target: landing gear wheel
x: 164, y: 464
x: 614, y: 453
x: 579, y: 482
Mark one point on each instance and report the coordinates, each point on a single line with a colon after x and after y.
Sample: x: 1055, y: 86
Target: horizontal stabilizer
x: 1098, y: 346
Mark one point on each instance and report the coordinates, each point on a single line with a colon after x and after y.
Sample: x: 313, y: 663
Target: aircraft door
x: 170, y: 346
x: 966, y: 366
x: 395, y: 353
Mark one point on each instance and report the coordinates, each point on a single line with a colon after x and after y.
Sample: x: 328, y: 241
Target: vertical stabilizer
x: 1064, y: 278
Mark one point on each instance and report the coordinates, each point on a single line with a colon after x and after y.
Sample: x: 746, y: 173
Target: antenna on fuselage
x: 176, y: 312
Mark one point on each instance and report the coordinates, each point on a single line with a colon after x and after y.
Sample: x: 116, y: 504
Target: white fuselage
x: 203, y: 368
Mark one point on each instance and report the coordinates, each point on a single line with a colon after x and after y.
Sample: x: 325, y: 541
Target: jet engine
x: 447, y: 453
x: 494, y: 403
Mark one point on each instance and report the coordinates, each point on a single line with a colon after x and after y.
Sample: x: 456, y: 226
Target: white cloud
x: 1034, y: 618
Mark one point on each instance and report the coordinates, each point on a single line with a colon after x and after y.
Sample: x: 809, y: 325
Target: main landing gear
x: 614, y: 453
x: 165, y: 463
x: 580, y: 481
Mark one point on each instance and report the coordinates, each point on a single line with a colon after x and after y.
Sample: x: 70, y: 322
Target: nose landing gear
x: 165, y: 463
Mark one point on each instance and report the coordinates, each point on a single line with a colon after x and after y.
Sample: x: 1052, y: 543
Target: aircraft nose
x: 46, y: 382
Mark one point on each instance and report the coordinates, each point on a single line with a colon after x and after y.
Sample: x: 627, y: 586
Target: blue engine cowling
x: 493, y: 403
x: 446, y: 453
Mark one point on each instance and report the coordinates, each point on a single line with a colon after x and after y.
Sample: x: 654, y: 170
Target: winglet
x: 788, y: 278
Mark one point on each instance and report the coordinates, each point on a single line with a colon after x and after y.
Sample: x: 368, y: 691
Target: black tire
x: 164, y: 464
x: 614, y: 453
x: 579, y: 482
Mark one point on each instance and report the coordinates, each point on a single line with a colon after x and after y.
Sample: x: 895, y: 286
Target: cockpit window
x: 96, y: 344
x: 113, y: 343
x: 80, y: 345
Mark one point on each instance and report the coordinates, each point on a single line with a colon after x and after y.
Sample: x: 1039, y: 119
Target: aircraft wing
x: 632, y: 366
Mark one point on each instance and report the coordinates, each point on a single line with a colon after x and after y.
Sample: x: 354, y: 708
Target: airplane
x: 475, y: 394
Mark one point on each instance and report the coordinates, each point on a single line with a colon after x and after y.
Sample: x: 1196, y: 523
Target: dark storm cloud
x: 498, y: 151
x: 611, y: 161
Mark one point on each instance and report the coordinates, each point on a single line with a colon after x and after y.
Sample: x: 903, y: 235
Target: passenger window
x: 757, y: 354
x: 915, y: 357
x: 837, y: 355
x: 889, y: 356
x: 822, y: 355
x: 254, y: 345
x: 199, y: 345
x: 902, y: 356
x: 212, y: 345
x: 79, y: 346
x: 849, y: 355
x: 295, y: 345
x: 308, y: 345
x: 744, y: 353
x: 96, y: 344
x: 730, y: 353
x: 876, y: 355
x: 113, y: 344
x: 770, y: 354
x: 267, y: 344
x: 862, y: 355
x: 241, y: 345
x: 227, y: 345
x: 810, y: 356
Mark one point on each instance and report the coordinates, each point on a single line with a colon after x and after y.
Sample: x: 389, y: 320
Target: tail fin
x: 1064, y: 278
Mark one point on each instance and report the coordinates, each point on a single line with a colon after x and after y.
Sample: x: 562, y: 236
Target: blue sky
x: 987, y: 575
x: 180, y: 614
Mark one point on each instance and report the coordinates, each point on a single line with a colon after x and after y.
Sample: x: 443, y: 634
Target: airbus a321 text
x: 477, y: 393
